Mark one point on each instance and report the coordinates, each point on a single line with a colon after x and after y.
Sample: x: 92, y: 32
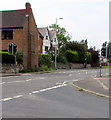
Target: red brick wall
x: 40, y: 44
x: 28, y: 46
x: 17, y: 39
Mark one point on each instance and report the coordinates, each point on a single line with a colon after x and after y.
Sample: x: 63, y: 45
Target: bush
x: 76, y: 46
x: 45, y: 59
x: 7, y: 59
x: 43, y: 68
x: 19, y: 56
x: 61, y: 58
x: 89, y: 57
x: 29, y: 70
x: 72, y: 56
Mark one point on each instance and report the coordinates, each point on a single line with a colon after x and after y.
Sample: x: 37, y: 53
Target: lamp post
x: 56, y: 44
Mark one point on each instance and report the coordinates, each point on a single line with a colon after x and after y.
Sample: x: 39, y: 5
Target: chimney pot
x: 28, y: 5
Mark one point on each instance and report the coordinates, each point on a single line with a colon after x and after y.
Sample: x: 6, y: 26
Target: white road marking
x: 5, y: 99
x: 2, y: 83
x: 42, y: 90
x: 28, y: 80
x: 102, y: 84
x: 75, y: 80
x: 18, y: 96
x: 22, y: 80
x: 14, y: 81
x: 46, y: 89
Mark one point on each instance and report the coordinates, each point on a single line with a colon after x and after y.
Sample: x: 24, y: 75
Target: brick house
x: 46, y: 39
x: 40, y: 42
x: 19, y: 27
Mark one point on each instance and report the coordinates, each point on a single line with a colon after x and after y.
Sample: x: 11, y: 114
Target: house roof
x: 13, y: 18
x: 43, y: 31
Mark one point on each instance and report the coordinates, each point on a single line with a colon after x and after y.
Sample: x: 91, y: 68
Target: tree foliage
x: 76, y: 46
x: 95, y: 55
x: 62, y: 35
x: 45, y: 59
x: 72, y: 56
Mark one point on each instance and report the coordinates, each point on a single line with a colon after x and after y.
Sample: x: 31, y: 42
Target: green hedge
x: 7, y: 59
x: 89, y: 57
x: 45, y: 59
x: 72, y: 56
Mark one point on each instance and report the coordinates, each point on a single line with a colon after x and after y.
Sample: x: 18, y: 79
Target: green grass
x: 104, y: 67
x: 81, y: 89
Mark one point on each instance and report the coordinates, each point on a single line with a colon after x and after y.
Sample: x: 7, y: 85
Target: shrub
x: 19, y: 56
x: 89, y: 57
x: 61, y: 58
x: 7, y: 59
x: 44, y: 59
x: 43, y: 68
x: 72, y: 56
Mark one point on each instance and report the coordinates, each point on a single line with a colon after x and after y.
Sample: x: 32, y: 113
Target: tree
x: 62, y: 35
x: 72, y: 56
x: 76, y: 46
x: 95, y: 55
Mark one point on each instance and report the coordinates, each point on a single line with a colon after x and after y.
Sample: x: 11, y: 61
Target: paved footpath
x: 97, y: 85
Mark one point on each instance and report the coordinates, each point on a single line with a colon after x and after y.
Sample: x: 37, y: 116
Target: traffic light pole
x: 15, y: 63
x: 12, y: 50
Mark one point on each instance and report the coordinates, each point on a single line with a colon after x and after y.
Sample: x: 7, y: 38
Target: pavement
x: 97, y: 85
x: 18, y: 74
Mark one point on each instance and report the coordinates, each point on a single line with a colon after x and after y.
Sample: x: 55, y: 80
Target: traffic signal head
x: 103, y: 52
x: 10, y: 49
x: 14, y: 48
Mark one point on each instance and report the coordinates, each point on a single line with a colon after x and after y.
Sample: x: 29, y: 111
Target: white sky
x: 81, y: 18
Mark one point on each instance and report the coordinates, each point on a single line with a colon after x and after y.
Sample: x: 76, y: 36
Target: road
x: 50, y: 95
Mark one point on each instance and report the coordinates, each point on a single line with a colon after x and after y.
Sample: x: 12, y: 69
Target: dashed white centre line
x: 34, y: 92
x: 5, y: 99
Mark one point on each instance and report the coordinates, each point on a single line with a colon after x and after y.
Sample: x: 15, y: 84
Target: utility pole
x: 56, y: 44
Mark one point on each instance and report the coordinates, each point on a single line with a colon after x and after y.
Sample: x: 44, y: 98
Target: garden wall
x: 10, y: 68
x: 71, y: 66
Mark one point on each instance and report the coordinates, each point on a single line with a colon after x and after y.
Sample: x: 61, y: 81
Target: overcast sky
x: 81, y: 18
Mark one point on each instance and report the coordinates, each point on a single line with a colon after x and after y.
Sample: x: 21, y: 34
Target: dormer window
x: 46, y: 37
x: 54, y: 39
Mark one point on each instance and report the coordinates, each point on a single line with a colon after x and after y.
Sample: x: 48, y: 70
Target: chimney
x: 28, y: 5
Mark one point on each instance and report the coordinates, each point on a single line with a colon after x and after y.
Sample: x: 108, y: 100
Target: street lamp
x: 56, y: 44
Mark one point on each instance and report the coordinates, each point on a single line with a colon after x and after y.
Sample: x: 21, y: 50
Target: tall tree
x: 62, y: 35
x: 76, y: 46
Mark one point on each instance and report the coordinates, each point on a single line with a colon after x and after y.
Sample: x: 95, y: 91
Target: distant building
x: 19, y: 27
x: 46, y: 39
x: 53, y: 38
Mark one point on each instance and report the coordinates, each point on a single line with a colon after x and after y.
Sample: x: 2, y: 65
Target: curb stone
x: 92, y: 92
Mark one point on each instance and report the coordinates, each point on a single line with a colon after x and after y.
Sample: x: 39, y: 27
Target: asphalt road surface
x: 50, y: 95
